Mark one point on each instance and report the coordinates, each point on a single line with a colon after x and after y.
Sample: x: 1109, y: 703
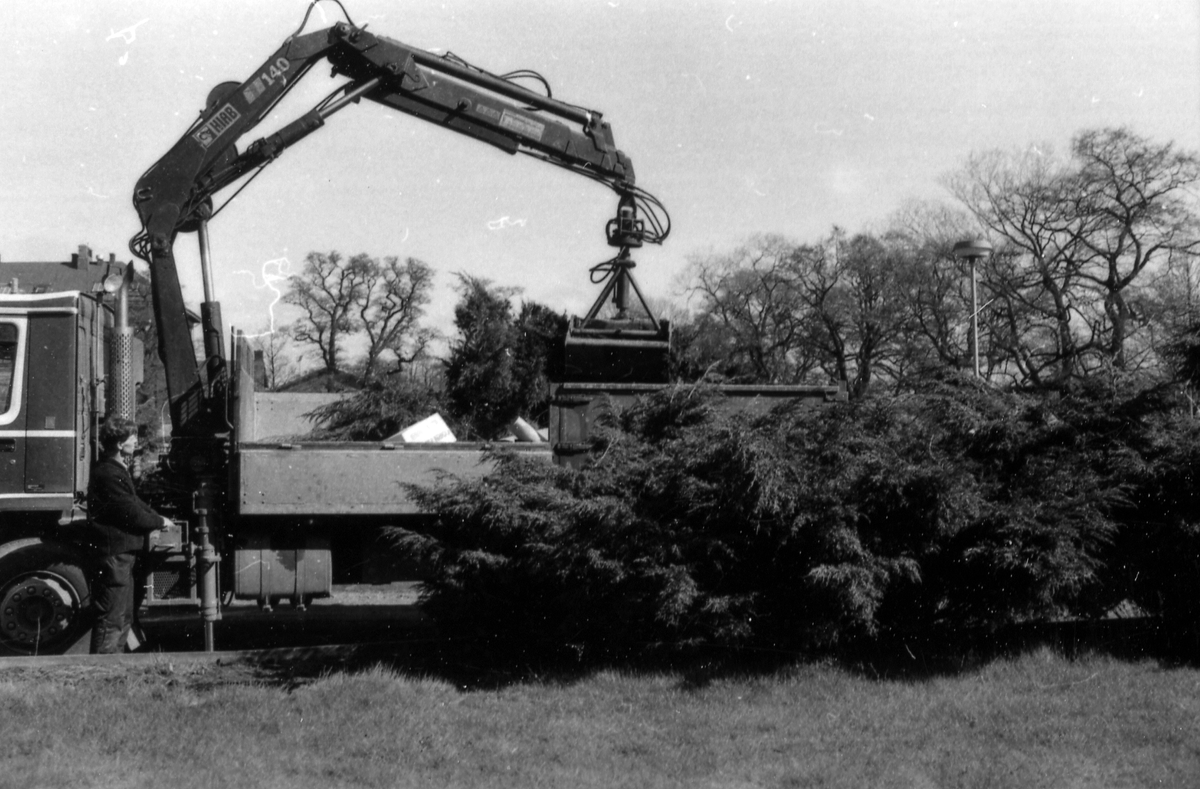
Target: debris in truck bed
x: 431, y: 430
x: 523, y: 431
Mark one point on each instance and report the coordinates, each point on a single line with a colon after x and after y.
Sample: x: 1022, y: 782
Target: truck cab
x: 52, y: 379
x: 52, y: 374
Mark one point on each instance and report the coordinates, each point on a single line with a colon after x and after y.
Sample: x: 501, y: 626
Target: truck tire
x: 45, y: 599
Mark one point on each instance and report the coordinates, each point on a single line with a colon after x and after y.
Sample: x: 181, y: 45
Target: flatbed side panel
x: 270, y: 417
x: 350, y: 478
x: 283, y: 415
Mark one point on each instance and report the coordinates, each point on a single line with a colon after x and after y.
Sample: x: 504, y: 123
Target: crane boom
x: 175, y: 194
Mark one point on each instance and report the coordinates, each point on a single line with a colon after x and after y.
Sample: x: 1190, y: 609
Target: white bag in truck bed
x: 430, y: 430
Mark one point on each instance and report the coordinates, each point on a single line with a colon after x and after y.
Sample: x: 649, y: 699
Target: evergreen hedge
x: 942, y: 513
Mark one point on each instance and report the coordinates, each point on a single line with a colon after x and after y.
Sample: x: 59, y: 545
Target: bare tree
x: 750, y: 322
x: 1135, y: 195
x: 935, y: 283
x: 394, y: 297
x: 328, y: 291
x: 1078, y: 238
x: 1173, y: 298
x: 855, y: 289
x: 776, y: 312
x: 1023, y: 198
x: 382, y: 301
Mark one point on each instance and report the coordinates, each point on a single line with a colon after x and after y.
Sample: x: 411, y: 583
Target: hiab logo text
x: 207, y: 134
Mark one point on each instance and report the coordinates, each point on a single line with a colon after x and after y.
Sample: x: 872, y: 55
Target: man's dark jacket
x: 120, y: 519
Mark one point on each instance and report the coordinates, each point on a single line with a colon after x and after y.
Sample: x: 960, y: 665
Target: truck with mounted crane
x: 258, y: 514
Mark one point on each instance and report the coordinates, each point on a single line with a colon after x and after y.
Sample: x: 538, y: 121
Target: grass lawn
x: 1035, y: 721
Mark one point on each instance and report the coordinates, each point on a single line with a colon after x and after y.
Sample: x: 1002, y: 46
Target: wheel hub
x: 36, y: 610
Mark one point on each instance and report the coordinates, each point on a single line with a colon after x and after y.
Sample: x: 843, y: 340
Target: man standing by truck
x: 121, y: 522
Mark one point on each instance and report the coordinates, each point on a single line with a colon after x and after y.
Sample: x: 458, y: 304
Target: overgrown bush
x: 1155, y: 558
x: 945, y: 511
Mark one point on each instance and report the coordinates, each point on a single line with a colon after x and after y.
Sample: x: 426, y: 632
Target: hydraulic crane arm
x: 175, y: 194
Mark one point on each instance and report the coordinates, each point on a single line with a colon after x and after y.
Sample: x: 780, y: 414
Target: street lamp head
x: 978, y: 248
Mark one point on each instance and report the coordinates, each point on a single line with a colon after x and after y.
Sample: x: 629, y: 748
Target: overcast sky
x: 742, y: 117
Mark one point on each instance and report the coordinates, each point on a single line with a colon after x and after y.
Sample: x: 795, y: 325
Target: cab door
x: 50, y: 401
x: 14, y: 338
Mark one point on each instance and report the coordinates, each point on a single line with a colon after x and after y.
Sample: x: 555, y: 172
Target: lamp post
x: 973, y: 251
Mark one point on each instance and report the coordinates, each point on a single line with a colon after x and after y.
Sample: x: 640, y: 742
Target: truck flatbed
x: 352, y: 478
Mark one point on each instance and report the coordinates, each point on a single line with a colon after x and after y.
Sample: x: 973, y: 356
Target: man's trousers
x: 112, y: 601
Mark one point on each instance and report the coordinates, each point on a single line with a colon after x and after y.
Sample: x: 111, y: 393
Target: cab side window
x: 8, y: 362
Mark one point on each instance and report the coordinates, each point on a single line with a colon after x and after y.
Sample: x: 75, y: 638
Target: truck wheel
x: 44, y: 599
